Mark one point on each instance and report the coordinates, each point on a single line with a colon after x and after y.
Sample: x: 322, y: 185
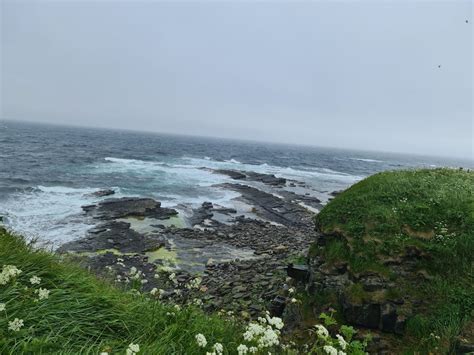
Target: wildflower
x: 293, y: 300
x: 218, y: 348
x: 342, y: 341
x: 291, y: 290
x: 330, y: 350
x: 8, y: 272
x: 253, y: 349
x: 104, y: 353
x: 276, y: 322
x: 242, y: 349
x: 268, y: 339
x: 321, y: 331
x: 15, y: 325
x: 144, y: 281
x: 157, y: 276
x: 201, y: 340
x: 153, y: 291
x: 109, y: 268
x: 2, y: 307
x: 35, y: 280
x: 133, y: 349
x: 177, y: 307
x: 42, y: 293
x: 133, y: 270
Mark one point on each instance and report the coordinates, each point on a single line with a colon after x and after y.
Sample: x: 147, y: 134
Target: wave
x: 368, y: 160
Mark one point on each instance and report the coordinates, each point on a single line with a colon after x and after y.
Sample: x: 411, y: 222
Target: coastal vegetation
x: 406, y: 241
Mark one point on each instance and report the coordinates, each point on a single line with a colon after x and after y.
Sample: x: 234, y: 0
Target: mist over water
x: 48, y: 172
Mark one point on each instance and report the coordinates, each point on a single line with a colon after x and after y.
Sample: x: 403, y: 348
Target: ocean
x: 48, y: 172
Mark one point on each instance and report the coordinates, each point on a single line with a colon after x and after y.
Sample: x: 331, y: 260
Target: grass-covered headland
x: 406, y: 239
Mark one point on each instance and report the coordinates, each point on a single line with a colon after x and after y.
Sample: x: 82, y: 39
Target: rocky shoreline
x: 216, y: 257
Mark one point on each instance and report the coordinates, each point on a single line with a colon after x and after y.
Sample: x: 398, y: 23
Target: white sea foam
x: 368, y: 160
x: 52, y: 214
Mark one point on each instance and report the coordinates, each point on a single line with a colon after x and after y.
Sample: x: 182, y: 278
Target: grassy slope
x: 432, y: 210
x: 87, y: 315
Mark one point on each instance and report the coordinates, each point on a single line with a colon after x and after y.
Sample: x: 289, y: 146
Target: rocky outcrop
x: 267, y: 179
x: 111, y: 209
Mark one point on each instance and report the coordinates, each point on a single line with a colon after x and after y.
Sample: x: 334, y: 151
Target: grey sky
x: 354, y: 74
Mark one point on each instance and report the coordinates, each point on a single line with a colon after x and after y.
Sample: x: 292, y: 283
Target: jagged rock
x: 362, y: 314
x: 277, y: 306
x: 298, y: 272
x: 111, y: 209
x: 102, y: 193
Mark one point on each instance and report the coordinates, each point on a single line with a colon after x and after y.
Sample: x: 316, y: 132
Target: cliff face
x: 395, y: 256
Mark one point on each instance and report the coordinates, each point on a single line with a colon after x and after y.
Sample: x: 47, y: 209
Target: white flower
x: 330, y: 350
x: 144, y: 281
x: 42, y: 293
x: 201, y: 340
x: 8, y: 272
x: 242, y: 349
x: 269, y: 338
x: 153, y: 291
x: 15, y: 324
x: 133, y: 349
x: 218, y: 348
x: 198, y: 302
x: 35, y: 280
x: 177, y: 307
x: 104, y: 353
x: 133, y: 270
x: 276, y: 322
x: 2, y: 307
x: 294, y: 300
x: 253, y: 349
x: 291, y: 290
x: 157, y: 276
x: 322, y: 331
x: 342, y: 341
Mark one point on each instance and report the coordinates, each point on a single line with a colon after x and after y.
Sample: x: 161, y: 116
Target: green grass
x: 86, y: 315
x: 431, y: 210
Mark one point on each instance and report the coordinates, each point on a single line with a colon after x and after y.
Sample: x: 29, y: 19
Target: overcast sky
x: 352, y: 74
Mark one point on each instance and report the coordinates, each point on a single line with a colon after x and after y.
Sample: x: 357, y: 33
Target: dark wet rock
x: 102, y: 193
x: 361, y: 314
x: 233, y: 174
x: 267, y: 179
x: 277, y: 306
x: 200, y: 215
x: 273, y: 208
x: 298, y: 272
x: 111, y: 209
x: 113, y: 235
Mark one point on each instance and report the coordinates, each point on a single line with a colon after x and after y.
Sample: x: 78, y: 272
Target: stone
x: 298, y: 272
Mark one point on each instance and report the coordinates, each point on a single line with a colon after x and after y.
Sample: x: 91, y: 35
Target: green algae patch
x: 101, y: 252
x: 164, y: 254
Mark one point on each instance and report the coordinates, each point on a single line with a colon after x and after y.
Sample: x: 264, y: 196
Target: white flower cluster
x: 132, y: 349
x: 35, y: 280
x: 42, y: 293
x: 8, y: 272
x: 217, y: 349
x: 201, y: 340
x: 266, y: 333
x: 15, y: 325
x: 321, y: 331
x: 194, y: 283
x: 2, y: 307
